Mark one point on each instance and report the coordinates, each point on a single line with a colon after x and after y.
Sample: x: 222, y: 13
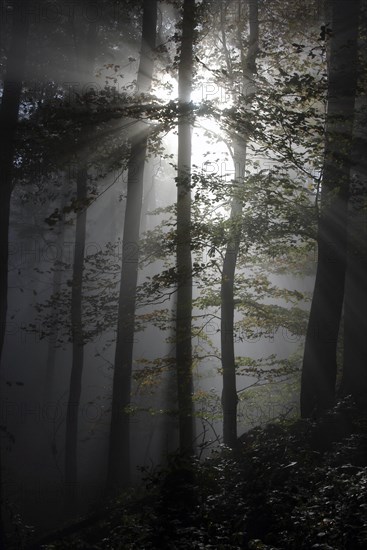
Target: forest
x: 183, y: 274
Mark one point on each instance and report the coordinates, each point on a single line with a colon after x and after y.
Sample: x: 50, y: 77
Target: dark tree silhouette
x: 183, y: 250
x: 354, y: 380
x: 319, y: 362
x: 76, y: 315
x: 9, y: 113
x: 229, y: 394
x: 119, y: 444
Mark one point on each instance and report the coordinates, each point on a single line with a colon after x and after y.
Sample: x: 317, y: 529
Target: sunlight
x: 165, y: 88
x: 172, y: 275
x: 210, y: 152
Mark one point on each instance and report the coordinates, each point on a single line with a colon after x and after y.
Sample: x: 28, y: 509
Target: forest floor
x: 290, y: 485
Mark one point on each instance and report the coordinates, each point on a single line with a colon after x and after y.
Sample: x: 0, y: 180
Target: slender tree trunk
x: 118, y: 475
x: 229, y: 393
x: 51, y: 349
x: 9, y: 112
x: 183, y: 250
x: 75, y: 385
x: 148, y: 197
x: 319, y: 362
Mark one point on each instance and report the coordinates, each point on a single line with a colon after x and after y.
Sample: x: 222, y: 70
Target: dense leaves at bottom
x: 295, y: 485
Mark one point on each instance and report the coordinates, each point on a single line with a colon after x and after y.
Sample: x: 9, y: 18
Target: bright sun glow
x: 209, y: 151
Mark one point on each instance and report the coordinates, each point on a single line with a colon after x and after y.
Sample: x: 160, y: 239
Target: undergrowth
x: 291, y: 485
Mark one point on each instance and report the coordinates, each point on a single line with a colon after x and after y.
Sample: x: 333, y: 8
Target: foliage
x: 298, y: 484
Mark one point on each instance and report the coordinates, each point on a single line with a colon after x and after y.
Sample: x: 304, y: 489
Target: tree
x: 183, y: 248
x: 229, y: 394
x: 275, y: 215
x: 9, y: 113
x: 76, y: 314
x: 56, y: 288
x: 354, y: 377
x: 319, y: 364
x: 118, y: 474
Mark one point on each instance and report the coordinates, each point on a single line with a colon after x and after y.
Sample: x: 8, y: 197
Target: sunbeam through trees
x: 183, y: 274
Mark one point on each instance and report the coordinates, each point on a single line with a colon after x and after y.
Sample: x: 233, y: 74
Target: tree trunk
x: 229, y: 393
x: 354, y: 380
x: 118, y: 475
x: 319, y: 362
x: 75, y: 386
x: 183, y: 249
x: 9, y: 112
x: 56, y: 286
